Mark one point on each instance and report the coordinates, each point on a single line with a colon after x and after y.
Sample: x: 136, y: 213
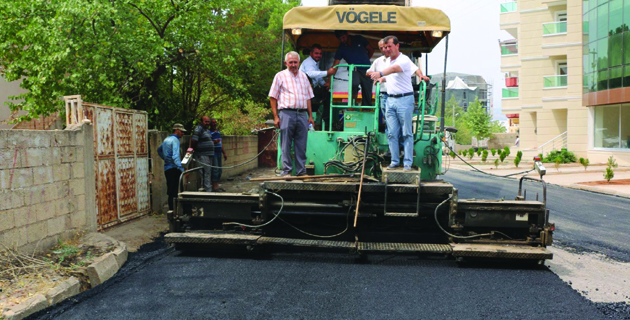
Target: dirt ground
x: 22, y: 275
x: 620, y: 182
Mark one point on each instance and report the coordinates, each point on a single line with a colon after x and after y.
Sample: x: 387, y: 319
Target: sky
x: 473, y: 44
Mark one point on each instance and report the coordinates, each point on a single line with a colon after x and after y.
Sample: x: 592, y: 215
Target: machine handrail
x: 351, y: 68
x: 421, y: 101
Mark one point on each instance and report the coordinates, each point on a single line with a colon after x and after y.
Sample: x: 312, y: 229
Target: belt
x: 400, y: 95
x: 294, y: 110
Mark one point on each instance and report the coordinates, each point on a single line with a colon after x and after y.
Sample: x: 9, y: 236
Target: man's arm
x: 160, y: 152
x: 421, y: 76
x: 310, y: 113
x: 224, y: 155
x: 274, y: 108
x: 175, y: 158
x: 370, y: 50
x: 333, y: 70
x: 313, y: 71
x: 387, y: 71
x: 194, y: 138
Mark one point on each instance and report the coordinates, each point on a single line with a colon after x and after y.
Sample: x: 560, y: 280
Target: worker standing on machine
x: 356, y: 50
x: 400, y: 102
x: 290, y: 98
x: 378, y: 65
x: 321, y: 87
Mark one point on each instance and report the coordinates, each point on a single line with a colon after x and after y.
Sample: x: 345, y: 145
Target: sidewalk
x: 568, y: 175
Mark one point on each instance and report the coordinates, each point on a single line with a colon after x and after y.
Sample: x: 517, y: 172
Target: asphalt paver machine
x: 350, y: 200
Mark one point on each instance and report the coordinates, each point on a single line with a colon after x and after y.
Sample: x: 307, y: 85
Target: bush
x: 464, y: 153
x: 584, y: 162
x: 494, y: 152
x: 503, y: 155
x: 519, y: 154
x: 517, y: 160
x: 484, y: 155
x: 471, y: 152
x: 557, y: 163
x: 496, y: 163
x: 459, y: 152
x: 452, y: 154
x: 564, y: 155
x: 478, y: 152
x: 507, y: 150
x: 612, y: 163
x: 609, y: 174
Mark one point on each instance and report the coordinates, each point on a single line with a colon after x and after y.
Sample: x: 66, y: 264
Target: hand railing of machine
x: 421, y: 104
x: 350, y: 104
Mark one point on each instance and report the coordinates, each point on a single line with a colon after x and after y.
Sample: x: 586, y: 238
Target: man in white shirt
x: 400, y: 101
x: 378, y: 65
x: 321, y: 86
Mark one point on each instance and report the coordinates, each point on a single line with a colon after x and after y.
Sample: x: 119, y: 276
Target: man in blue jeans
x: 400, y: 101
x: 217, y: 162
x: 169, y: 152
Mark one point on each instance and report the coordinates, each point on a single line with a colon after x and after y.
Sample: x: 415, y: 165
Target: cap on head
x: 179, y: 126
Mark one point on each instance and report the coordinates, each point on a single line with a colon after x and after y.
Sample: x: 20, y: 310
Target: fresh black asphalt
x: 157, y: 283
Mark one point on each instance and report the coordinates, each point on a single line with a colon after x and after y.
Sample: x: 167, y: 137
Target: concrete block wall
x: 238, y: 149
x: 47, y: 188
x: 502, y: 140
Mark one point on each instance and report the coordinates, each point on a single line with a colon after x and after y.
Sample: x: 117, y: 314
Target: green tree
x: 463, y: 135
x: 175, y: 59
x: 584, y: 162
x: 493, y: 151
x: 478, y: 120
x: 484, y: 156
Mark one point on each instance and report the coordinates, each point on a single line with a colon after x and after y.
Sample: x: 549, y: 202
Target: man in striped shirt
x: 290, y: 97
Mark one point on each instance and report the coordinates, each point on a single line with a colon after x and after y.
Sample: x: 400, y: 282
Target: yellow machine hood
x: 367, y: 17
x: 412, y: 25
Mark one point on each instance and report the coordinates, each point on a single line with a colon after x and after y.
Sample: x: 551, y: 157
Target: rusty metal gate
x: 121, y: 159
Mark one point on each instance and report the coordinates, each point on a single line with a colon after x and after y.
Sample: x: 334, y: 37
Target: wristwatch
x: 381, y: 73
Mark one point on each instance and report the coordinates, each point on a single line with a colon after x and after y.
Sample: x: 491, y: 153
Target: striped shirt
x: 291, y: 91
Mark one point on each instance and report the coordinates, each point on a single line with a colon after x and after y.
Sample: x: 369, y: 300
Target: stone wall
x: 238, y: 149
x: 46, y: 186
x: 502, y: 140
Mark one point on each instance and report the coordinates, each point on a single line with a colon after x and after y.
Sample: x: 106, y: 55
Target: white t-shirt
x: 379, y: 64
x: 400, y: 82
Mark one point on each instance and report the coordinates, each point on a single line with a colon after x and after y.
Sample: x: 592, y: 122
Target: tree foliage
x: 475, y: 122
x: 175, y: 59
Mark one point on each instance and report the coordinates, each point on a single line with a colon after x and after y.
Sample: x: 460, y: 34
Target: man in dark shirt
x: 217, y: 163
x: 201, y: 142
x: 356, y: 50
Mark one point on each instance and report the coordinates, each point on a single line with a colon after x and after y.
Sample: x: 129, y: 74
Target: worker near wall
x: 201, y: 142
x: 321, y: 86
x: 169, y: 152
x: 217, y: 161
x: 400, y: 103
x: 378, y: 65
x: 356, y: 50
x: 290, y: 98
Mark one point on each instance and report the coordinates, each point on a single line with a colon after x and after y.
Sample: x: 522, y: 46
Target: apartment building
x: 543, y: 68
x: 606, y: 94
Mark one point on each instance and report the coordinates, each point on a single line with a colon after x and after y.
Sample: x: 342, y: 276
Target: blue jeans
x: 399, y: 116
x: 383, y: 104
x: 217, y: 161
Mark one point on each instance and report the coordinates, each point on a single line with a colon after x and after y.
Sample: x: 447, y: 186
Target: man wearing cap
x: 290, y: 98
x: 169, y: 152
x: 201, y: 142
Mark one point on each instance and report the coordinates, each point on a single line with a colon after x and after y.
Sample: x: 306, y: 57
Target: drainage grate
x: 404, y: 247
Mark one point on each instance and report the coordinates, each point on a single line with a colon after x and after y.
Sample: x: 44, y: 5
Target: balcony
x: 508, y: 7
x: 511, y: 82
x: 510, y: 93
x: 509, y: 48
x: 558, y: 81
x: 554, y: 28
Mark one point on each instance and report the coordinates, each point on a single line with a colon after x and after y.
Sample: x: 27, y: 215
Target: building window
x: 612, y: 127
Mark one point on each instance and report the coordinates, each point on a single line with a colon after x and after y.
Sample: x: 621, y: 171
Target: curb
x: 99, y: 271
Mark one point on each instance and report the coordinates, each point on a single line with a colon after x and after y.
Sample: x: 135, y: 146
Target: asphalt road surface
x: 584, y: 220
x: 157, y: 283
